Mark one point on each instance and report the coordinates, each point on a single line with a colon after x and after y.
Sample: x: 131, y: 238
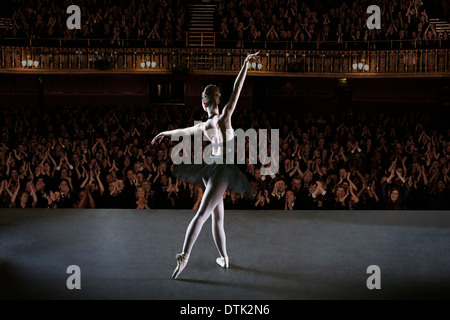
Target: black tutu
x: 195, y: 173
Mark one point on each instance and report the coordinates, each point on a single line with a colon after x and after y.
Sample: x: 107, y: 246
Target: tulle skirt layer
x: 195, y: 173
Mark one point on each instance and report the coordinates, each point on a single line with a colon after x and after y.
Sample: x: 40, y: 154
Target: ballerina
x: 217, y: 177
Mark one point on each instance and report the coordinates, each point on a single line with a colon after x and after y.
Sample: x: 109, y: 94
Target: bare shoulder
x: 196, y: 128
x: 224, y: 122
x: 201, y: 125
x: 225, y: 117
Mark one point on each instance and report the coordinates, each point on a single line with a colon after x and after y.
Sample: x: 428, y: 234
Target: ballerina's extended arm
x: 238, y: 84
x: 227, y: 110
x: 198, y: 128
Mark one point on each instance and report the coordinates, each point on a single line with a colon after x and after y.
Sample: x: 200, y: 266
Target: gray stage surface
x: 129, y: 254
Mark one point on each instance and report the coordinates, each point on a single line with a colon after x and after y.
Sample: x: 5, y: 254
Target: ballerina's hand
x: 158, y: 138
x: 252, y: 56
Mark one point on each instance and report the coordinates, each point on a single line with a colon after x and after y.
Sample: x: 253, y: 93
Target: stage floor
x: 130, y: 254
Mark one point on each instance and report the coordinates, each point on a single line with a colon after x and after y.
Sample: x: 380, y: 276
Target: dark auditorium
x: 348, y: 101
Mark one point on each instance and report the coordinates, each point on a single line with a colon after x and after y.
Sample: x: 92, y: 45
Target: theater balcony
x: 286, y: 61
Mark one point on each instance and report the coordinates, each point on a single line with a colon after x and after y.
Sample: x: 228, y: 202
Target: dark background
x: 296, y: 95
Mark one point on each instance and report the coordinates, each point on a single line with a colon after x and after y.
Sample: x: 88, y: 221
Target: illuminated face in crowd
x: 307, y: 177
x: 112, y: 187
x: 394, y: 195
x: 137, y: 166
x: 64, y: 187
x: 140, y: 193
x: 40, y: 184
x: 24, y: 197
x: 163, y: 166
x: 340, y: 192
x: 296, y: 184
x: 14, y: 174
x: 290, y: 196
x: 234, y: 196
x: 281, y: 186
x: 75, y: 158
x: 146, y: 186
x: 130, y: 175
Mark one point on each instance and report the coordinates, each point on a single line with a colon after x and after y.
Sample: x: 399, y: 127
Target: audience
x: 241, y: 23
x: 118, y: 21
x: 305, y: 24
x: 81, y: 157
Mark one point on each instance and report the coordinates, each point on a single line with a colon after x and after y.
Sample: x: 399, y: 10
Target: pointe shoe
x: 182, y: 260
x: 223, y: 262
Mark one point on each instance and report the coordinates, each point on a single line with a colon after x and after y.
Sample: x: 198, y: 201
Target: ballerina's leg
x: 218, y: 232
x: 213, y: 195
x: 214, y: 191
x: 218, y: 229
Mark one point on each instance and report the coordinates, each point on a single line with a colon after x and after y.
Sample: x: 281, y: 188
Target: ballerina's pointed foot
x: 223, y: 262
x: 182, y: 260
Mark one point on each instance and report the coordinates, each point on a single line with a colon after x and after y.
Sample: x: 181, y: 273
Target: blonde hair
x: 145, y: 192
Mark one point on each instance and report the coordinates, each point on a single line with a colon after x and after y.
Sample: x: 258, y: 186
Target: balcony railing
x: 412, y: 62
x: 213, y: 39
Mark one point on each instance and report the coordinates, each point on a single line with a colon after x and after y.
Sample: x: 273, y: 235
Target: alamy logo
x: 374, y: 281
x: 257, y: 149
x: 74, y: 21
x: 374, y: 21
x: 74, y: 281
